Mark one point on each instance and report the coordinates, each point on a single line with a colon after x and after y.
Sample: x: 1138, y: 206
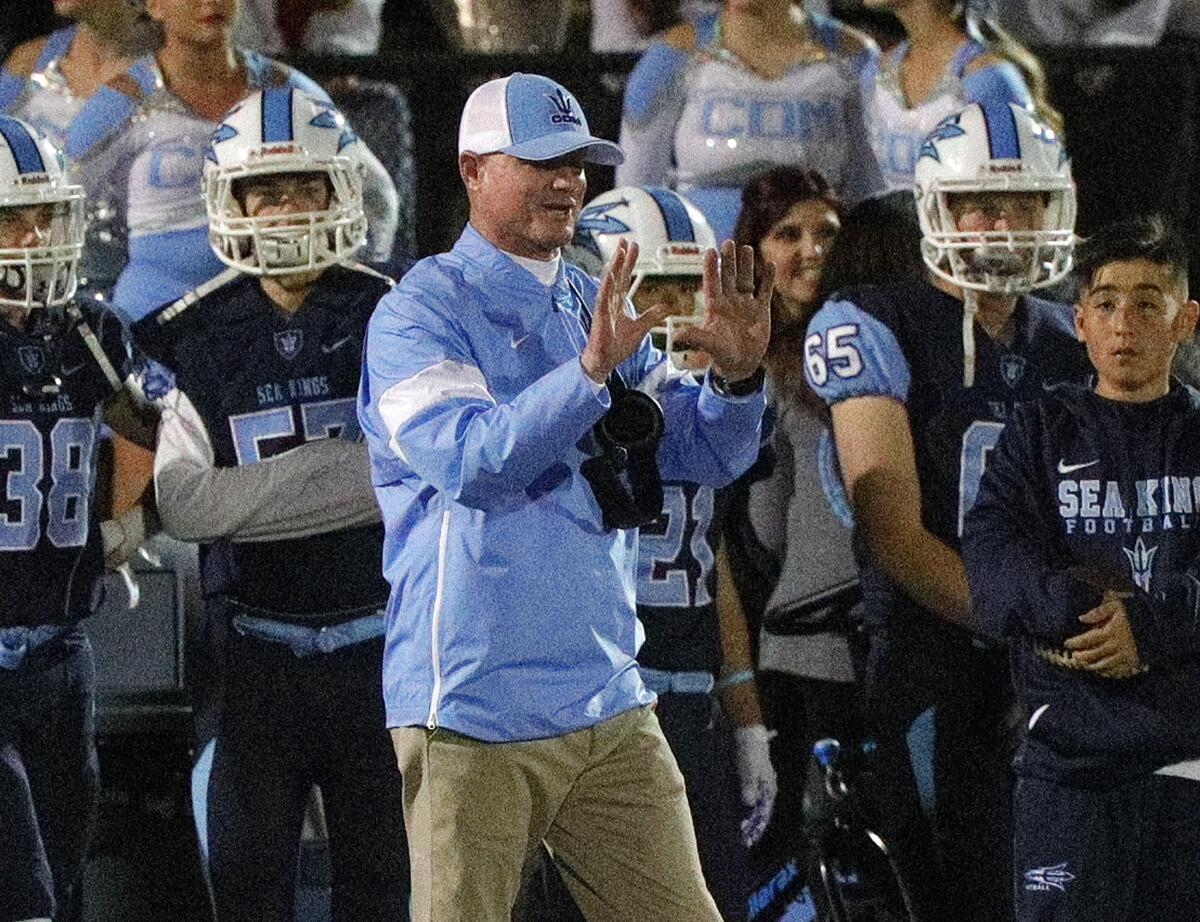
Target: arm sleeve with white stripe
x: 318, y: 487
x: 425, y: 403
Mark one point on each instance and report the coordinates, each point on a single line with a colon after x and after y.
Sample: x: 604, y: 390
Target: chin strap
x: 970, y: 309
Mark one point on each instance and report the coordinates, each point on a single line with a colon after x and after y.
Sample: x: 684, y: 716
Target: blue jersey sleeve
x: 998, y: 83
x: 654, y: 100
x: 849, y: 352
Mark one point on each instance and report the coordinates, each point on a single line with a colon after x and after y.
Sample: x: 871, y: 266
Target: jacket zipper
x: 435, y: 654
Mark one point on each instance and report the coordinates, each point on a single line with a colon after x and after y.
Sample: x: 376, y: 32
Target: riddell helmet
x: 284, y: 130
x: 995, y: 147
x: 671, y: 233
x: 43, y: 272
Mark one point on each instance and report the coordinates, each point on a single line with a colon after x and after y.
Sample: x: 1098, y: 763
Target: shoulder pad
x: 850, y: 352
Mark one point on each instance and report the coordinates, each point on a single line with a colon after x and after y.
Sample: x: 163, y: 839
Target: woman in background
x: 140, y: 142
x: 794, y: 512
x: 46, y: 80
x: 953, y: 55
x: 759, y: 84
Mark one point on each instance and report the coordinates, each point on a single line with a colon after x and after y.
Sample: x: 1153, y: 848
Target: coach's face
x: 1131, y: 316
x: 526, y: 207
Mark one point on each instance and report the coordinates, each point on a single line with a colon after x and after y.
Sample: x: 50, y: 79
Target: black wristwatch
x: 742, y: 388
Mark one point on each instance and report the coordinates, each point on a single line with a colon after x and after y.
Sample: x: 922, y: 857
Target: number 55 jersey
x: 904, y: 341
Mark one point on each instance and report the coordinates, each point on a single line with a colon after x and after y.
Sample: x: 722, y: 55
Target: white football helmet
x: 671, y: 233
x: 284, y: 130
x: 41, y: 273
x: 995, y: 147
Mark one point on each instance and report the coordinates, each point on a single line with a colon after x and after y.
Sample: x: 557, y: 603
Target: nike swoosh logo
x: 517, y: 340
x: 1064, y: 468
x: 334, y: 347
x: 67, y: 372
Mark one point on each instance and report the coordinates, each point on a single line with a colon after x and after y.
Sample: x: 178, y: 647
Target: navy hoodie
x: 1082, y: 492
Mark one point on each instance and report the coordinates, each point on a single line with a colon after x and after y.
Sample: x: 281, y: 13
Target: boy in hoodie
x: 1083, y: 549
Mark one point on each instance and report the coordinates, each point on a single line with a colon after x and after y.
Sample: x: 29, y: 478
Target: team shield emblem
x: 33, y: 358
x: 288, y: 343
x: 1012, y: 367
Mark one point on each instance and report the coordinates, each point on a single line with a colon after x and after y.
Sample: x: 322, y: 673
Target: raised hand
x: 615, y: 335
x: 1108, y: 646
x: 737, y: 319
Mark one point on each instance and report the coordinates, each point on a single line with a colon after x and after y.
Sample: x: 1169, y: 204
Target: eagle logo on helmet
x: 948, y: 128
x: 224, y: 132
x: 595, y: 219
x: 329, y: 117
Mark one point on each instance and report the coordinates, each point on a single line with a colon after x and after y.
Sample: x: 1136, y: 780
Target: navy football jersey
x: 262, y: 382
x: 904, y: 341
x: 676, y: 588
x: 51, y: 555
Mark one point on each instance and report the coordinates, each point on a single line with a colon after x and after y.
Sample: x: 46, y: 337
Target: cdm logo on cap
x: 530, y: 117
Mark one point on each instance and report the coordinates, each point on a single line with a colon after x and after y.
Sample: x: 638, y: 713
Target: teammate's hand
x: 1108, y: 647
x: 737, y: 319
x: 757, y: 778
x: 615, y: 335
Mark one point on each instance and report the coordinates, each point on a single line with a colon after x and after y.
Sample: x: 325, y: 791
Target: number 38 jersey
x: 51, y: 556
x: 904, y: 341
x: 259, y: 382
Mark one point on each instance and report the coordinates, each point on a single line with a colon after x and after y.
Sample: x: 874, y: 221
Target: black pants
x: 801, y: 711
x: 952, y: 839
x: 1108, y: 856
x: 48, y: 778
x: 288, y: 723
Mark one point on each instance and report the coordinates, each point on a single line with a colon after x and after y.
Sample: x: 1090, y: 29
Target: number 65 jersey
x: 904, y: 341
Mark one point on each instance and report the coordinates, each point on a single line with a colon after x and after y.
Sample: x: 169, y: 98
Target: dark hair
x: 880, y: 242
x: 771, y: 195
x: 766, y: 200
x: 1149, y: 237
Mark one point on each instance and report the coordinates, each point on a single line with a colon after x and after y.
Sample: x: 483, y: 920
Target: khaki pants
x: 608, y: 800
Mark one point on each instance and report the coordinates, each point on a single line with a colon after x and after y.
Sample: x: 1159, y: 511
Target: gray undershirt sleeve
x: 318, y: 487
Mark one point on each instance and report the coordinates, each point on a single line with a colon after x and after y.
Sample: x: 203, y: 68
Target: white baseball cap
x: 530, y: 117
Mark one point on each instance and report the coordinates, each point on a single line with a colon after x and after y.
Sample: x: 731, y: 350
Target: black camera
x: 624, y: 475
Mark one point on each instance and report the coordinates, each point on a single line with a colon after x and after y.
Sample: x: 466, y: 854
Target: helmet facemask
x: 1005, y: 262
x: 43, y: 272
x: 285, y: 244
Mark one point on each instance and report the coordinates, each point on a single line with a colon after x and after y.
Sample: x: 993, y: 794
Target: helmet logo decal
x: 223, y: 133
x: 595, y: 219
x: 948, y: 128
x: 329, y: 117
x: 564, y: 111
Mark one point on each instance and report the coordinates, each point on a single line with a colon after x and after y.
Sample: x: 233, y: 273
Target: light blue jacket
x: 512, y: 608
